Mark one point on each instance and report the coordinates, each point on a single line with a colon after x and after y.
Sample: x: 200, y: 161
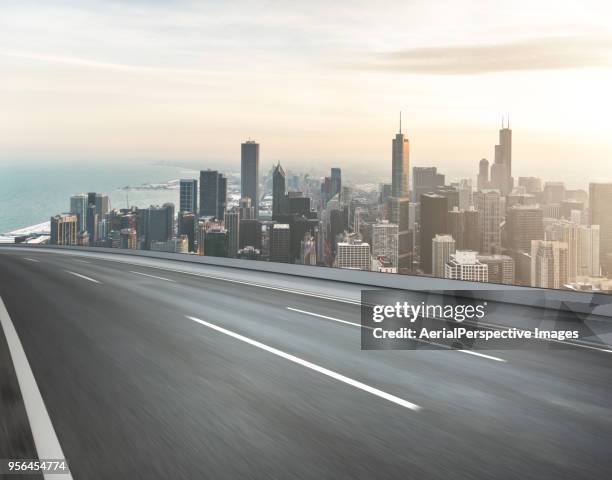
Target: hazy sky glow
x: 315, y: 82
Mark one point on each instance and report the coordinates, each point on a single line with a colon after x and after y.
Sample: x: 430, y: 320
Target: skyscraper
x: 279, y: 192
x: 385, y: 241
x: 582, y: 247
x: 501, y: 171
x: 524, y: 223
x: 64, y: 229
x: 488, y: 204
x: 187, y: 226
x: 213, y: 194
x: 442, y: 246
x: 249, y: 173
x: 232, y: 224
x: 188, y: 196
x: 399, y: 214
x: 600, y: 205
x: 336, y: 182
x: 78, y: 206
x: 549, y: 264
x: 216, y: 242
x: 483, y: 174
x: 400, y: 164
x: 280, y: 247
x: 102, y: 204
x: 159, y: 224
x: 433, y: 222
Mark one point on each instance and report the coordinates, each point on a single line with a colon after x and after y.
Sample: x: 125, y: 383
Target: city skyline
x: 117, y: 82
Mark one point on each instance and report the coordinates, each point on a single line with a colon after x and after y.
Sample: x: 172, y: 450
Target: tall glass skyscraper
x: 400, y: 165
x: 188, y: 201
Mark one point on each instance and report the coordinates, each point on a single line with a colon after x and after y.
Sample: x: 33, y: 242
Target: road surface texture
x: 157, y: 369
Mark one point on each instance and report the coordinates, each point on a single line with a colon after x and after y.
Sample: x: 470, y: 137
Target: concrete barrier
x: 580, y: 302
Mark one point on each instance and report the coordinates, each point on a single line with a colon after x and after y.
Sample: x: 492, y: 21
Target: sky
x: 316, y: 83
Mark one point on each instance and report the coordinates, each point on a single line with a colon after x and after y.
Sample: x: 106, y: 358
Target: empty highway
x: 156, y: 369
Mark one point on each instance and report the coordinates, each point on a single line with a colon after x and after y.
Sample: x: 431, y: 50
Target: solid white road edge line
x: 82, y: 276
x: 312, y: 366
x: 45, y: 438
x: 469, y: 352
x: 152, y: 276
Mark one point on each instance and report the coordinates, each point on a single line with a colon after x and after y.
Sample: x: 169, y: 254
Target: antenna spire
x: 400, y: 130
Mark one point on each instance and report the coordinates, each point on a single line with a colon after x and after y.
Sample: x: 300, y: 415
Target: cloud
x: 547, y: 53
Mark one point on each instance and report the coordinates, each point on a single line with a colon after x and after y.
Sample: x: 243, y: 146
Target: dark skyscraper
x: 188, y: 196
x: 250, y: 233
x: 336, y: 182
x: 92, y: 222
x: 187, y: 226
x: 213, y: 194
x: 159, y: 223
x: 249, y: 173
x: 434, y: 211
x: 280, y: 239
x: 279, y: 192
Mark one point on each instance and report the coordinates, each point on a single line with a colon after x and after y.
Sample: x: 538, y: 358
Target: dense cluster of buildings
x: 524, y: 232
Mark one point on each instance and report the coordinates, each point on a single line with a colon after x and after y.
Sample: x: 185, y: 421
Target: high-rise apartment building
x: 232, y: 224
x: 442, y: 247
x: 354, y: 255
x: 64, y: 229
x: 385, y: 241
x: 249, y: 174
x: 188, y: 195
x: 464, y: 265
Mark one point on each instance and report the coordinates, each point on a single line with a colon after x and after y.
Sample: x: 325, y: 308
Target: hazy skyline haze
x: 316, y: 84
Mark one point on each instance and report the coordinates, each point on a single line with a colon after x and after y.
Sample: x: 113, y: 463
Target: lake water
x: 31, y: 194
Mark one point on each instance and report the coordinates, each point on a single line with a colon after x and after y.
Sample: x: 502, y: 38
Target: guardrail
x: 579, y: 302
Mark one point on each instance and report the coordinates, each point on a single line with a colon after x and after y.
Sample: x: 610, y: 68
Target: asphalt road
x: 157, y: 373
